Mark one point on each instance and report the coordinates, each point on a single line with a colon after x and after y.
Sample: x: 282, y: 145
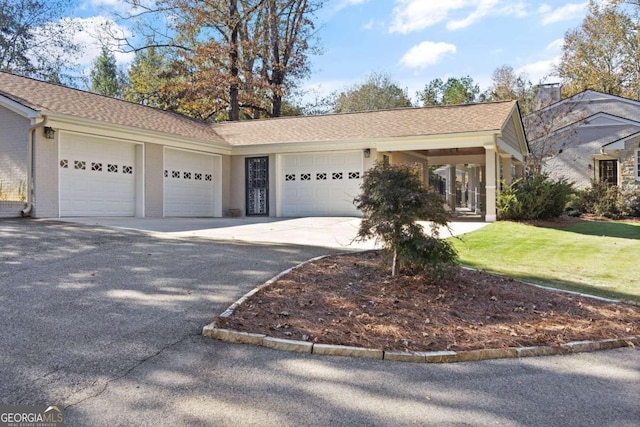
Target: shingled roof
x: 53, y: 99
x: 48, y: 98
x: 374, y: 124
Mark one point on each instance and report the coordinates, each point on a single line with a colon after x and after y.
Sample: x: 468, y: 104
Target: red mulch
x: 352, y: 300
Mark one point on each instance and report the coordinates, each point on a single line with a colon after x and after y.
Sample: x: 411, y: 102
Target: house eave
x: 87, y: 126
x: 19, y: 108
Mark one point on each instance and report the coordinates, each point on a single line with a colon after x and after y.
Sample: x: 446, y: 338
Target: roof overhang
x: 620, y: 143
x: 19, y: 108
x: 99, y: 128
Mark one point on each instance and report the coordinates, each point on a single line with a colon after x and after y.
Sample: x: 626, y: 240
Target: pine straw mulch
x: 351, y: 300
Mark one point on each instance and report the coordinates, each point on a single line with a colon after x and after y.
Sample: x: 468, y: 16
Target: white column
x: 491, y: 184
x: 506, y: 169
x: 473, y: 186
x: 451, y: 187
x: 463, y: 201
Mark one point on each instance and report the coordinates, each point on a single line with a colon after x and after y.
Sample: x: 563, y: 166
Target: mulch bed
x: 352, y: 300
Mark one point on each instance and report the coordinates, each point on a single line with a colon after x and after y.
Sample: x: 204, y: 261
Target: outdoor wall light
x: 367, y: 153
x: 49, y: 132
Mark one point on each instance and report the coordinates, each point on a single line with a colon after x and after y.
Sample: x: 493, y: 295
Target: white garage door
x: 321, y: 184
x: 97, y: 177
x: 188, y: 183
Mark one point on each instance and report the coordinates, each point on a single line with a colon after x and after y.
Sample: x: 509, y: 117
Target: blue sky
x: 414, y: 41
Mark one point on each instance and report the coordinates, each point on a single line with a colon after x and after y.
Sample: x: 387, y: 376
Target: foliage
x: 454, y: 91
x: 603, y: 53
x: 35, y: 38
x: 507, y: 85
x: 231, y: 59
x: 378, y: 92
x: 533, y: 197
x: 105, y: 78
x: 608, y: 201
x: 149, y: 81
x: 392, y: 200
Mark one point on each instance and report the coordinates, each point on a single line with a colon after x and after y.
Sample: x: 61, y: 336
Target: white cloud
x: 555, y: 46
x: 415, y: 15
x: 95, y: 32
x: 346, y: 3
x: 427, y: 54
x: 539, y: 71
x: 119, y: 7
x: 564, y: 13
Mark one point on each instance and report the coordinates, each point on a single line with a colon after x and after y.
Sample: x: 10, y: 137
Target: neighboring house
x: 83, y: 154
x: 590, y: 137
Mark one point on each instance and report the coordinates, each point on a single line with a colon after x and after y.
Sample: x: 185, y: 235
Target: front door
x: 257, y: 170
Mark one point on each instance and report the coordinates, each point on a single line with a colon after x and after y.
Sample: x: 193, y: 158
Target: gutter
x: 31, y: 137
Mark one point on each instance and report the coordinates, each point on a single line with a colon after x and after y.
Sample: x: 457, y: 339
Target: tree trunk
x: 234, y: 105
x: 394, y: 264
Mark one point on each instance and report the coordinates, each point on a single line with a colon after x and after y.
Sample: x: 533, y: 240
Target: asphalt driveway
x: 106, y: 322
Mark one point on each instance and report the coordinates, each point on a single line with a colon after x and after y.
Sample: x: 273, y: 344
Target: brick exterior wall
x: 14, y: 140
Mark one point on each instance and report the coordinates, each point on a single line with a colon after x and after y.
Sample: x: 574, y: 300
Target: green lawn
x: 599, y: 258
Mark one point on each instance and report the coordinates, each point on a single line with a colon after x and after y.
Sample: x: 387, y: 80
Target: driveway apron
x: 106, y: 323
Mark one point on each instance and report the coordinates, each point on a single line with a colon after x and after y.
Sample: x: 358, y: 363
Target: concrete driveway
x: 106, y: 322
x: 327, y: 232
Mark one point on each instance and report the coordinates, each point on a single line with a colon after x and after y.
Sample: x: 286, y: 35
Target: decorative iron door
x: 257, y: 170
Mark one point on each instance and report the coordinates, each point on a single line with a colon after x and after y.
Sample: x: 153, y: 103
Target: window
x: 79, y: 164
x: 197, y: 176
x: 305, y: 177
x: 636, y: 159
x: 290, y: 177
x: 112, y: 168
x: 336, y: 175
x: 64, y: 164
x: 96, y: 167
x: 321, y: 176
x: 609, y: 171
x: 127, y: 170
x: 186, y: 175
x: 354, y: 175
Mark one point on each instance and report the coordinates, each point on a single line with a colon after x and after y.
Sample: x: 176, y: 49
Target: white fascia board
x: 516, y: 120
x: 91, y: 127
x: 613, y: 120
x: 619, y: 144
x: 18, y: 108
x: 508, y: 149
x: 460, y: 140
x: 411, y: 143
x: 299, y: 147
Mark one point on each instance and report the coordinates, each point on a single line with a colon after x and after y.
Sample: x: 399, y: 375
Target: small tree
x: 392, y: 200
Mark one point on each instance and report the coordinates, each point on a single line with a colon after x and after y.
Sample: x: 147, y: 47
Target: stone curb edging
x: 232, y: 336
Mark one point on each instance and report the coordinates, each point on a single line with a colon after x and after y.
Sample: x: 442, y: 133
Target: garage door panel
x: 321, y: 184
x: 97, y: 177
x: 189, y: 184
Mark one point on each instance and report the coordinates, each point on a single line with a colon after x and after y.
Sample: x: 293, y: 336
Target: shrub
x: 608, y: 201
x: 537, y: 197
x: 392, y: 200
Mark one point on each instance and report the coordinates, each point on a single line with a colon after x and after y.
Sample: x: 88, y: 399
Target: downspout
x: 31, y: 136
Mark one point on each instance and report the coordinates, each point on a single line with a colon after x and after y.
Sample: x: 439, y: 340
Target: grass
x: 598, y: 258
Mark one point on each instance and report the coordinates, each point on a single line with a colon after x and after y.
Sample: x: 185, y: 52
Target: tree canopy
x: 461, y: 90
x: 603, y: 54
x: 105, y: 78
x: 35, y: 40
x: 377, y: 92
